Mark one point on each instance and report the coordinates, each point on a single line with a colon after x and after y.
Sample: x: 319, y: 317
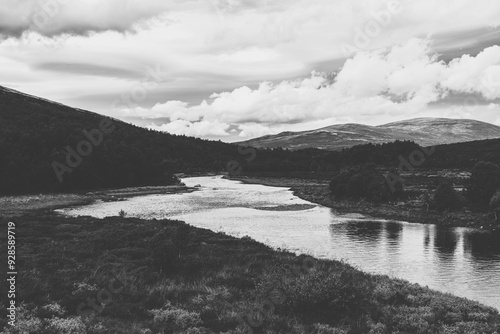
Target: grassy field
x: 117, y: 275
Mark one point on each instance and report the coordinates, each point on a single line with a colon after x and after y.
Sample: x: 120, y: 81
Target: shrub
x: 446, y: 197
x: 67, y: 325
x: 483, y: 182
x: 325, y: 329
x: 51, y: 310
x: 340, y: 181
x: 325, y: 294
x: 364, y: 182
x: 173, y: 318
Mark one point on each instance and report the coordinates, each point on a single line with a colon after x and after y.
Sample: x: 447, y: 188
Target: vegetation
x: 327, y: 162
x: 464, y: 155
x: 446, y: 197
x: 364, y: 182
x: 484, y: 181
x: 49, y: 147
x: 117, y: 275
x: 35, y: 133
x: 495, y: 203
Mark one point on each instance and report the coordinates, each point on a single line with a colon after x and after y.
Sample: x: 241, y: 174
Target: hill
x: 46, y: 146
x: 423, y: 131
x: 464, y: 155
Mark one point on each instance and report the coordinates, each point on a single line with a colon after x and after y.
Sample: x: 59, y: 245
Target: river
x: 461, y: 261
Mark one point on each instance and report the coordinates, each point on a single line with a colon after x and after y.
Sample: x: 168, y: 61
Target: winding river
x: 461, y: 261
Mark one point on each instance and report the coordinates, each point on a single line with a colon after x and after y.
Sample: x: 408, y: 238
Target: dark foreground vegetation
x: 85, y: 275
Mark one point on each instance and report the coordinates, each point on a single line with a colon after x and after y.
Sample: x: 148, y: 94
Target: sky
x: 239, y: 69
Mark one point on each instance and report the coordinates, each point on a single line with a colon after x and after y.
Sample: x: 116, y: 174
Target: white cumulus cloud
x: 398, y: 82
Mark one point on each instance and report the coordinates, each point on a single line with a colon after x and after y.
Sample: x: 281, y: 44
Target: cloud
x: 255, y: 130
x: 56, y: 17
x: 480, y: 74
x: 88, y: 69
x: 398, y: 82
x: 251, y: 60
x: 195, y: 129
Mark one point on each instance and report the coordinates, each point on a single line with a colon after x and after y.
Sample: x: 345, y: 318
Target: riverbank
x: 413, y: 211
x: 127, y: 275
x: 11, y: 206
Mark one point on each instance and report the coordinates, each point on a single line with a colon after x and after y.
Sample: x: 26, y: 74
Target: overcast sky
x: 238, y: 69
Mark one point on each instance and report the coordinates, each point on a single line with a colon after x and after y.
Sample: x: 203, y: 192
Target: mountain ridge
x: 425, y: 131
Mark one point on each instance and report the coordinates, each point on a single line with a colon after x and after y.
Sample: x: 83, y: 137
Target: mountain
x: 47, y: 146
x: 423, y: 131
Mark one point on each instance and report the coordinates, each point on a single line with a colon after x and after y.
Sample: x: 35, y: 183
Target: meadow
x: 126, y: 275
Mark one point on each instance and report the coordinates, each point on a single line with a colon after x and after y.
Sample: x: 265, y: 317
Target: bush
x: 174, y: 319
x: 446, y: 197
x: 495, y: 203
x: 363, y: 182
x: 326, y: 294
x: 483, y: 182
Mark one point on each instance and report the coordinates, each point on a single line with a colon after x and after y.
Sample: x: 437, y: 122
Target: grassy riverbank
x: 412, y: 210
x: 117, y: 275
x: 12, y: 206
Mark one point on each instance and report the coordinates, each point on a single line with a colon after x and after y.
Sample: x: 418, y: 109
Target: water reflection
x: 483, y: 246
x: 445, y: 242
x: 461, y: 261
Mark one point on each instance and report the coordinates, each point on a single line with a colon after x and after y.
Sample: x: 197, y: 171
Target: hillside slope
x: 37, y: 134
x: 423, y: 131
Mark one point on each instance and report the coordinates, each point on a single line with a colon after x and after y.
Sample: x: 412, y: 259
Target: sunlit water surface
x: 462, y: 261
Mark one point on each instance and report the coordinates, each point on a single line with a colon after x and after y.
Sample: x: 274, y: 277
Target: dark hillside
x: 36, y: 135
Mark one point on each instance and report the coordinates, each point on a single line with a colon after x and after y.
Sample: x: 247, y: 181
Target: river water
x: 462, y: 261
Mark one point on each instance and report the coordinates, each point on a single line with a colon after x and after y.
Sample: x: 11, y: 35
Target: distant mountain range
x: 423, y: 131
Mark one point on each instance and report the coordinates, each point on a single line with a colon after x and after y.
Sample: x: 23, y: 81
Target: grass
x: 126, y: 275
x: 12, y: 206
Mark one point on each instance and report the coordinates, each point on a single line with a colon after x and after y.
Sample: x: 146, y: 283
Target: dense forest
x: 464, y: 155
x: 328, y: 162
